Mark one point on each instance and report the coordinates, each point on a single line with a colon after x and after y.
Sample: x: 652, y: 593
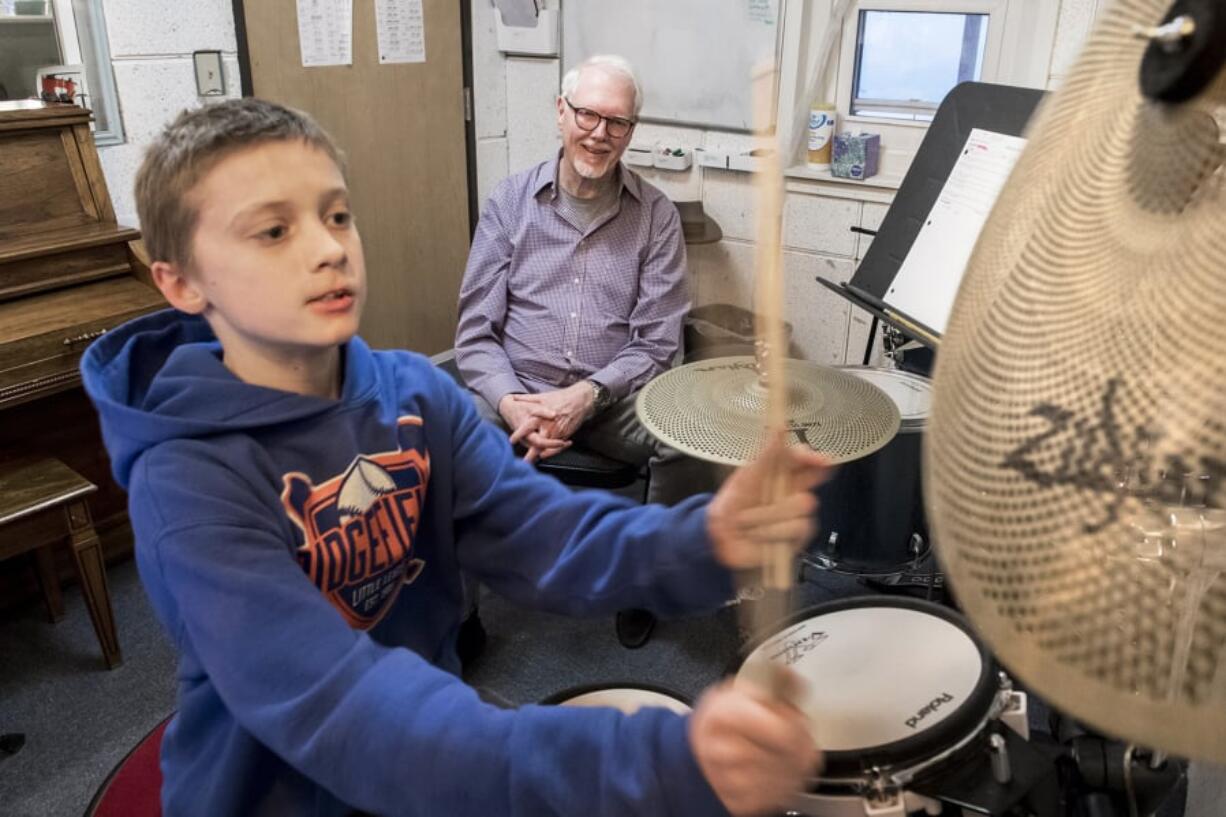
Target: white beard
x: 588, y: 172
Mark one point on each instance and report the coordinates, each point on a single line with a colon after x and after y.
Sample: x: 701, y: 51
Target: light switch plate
x: 210, y: 78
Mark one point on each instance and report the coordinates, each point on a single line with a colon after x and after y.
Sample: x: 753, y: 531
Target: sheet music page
x: 325, y: 32
x: 402, y: 31
x: 928, y: 279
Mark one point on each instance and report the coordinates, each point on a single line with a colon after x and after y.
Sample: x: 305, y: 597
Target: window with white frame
x: 906, y: 61
x: 899, y: 58
x: 60, y: 41
x: 887, y: 64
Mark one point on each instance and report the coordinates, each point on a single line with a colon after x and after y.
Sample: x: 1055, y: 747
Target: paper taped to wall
x: 325, y: 32
x: 401, y: 28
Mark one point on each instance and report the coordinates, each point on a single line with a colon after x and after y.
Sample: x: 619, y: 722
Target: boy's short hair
x: 190, y: 146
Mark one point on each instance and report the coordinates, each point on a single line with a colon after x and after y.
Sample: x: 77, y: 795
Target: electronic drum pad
x: 1075, y: 461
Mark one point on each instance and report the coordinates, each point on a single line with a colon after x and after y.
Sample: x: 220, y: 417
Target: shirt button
x: 576, y: 280
x: 572, y: 314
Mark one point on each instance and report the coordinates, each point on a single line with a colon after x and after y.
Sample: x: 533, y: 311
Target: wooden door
x: 402, y: 128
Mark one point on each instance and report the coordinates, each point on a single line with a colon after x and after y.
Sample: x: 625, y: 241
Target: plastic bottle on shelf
x: 821, y: 135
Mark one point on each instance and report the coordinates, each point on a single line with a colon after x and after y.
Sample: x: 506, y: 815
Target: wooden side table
x: 41, y: 503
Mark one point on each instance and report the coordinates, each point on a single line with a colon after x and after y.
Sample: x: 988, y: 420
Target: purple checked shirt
x: 545, y: 304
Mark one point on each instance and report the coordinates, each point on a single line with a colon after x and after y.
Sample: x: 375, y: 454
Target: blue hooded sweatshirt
x: 304, y: 555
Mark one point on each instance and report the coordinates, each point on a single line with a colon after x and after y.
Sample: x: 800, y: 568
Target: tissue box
x: 856, y: 155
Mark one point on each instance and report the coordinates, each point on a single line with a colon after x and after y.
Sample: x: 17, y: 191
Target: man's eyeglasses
x: 587, y: 119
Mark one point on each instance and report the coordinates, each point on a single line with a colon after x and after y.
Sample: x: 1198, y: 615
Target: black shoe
x: 634, y: 627
x: 11, y: 743
x: 471, y: 640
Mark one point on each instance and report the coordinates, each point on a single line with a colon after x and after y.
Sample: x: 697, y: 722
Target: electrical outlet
x: 210, y: 79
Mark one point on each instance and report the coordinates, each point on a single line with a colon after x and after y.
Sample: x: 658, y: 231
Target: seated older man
x: 575, y: 292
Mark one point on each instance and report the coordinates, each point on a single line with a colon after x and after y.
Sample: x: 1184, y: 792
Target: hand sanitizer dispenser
x: 537, y: 40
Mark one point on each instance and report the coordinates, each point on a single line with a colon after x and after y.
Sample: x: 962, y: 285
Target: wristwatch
x: 601, y: 398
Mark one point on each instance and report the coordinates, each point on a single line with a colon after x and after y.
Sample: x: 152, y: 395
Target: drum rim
x: 887, y: 370
x: 908, y: 424
x: 963, y: 722
x: 567, y: 693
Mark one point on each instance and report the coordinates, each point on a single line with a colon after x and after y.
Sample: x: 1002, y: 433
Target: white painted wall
x: 1076, y: 19
x: 516, y: 128
x: 151, y: 51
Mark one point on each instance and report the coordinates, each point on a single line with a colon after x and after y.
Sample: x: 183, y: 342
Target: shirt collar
x: 547, y: 174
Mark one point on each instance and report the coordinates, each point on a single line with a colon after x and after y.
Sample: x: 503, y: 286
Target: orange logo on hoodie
x: 359, y: 527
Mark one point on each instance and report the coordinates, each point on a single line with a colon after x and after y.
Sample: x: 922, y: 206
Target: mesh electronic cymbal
x: 1076, y: 453
x: 713, y: 410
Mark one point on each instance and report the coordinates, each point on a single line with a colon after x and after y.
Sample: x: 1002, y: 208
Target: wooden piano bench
x: 42, y: 502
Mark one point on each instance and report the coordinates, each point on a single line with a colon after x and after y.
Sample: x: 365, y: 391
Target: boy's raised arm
x: 379, y: 727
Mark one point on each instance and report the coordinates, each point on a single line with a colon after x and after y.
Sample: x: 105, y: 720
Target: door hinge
x: 468, y: 104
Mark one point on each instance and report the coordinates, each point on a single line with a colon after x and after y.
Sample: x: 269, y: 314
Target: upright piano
x: 68, y: 273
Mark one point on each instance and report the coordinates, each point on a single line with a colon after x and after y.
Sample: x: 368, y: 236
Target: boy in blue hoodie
x: 303, y: 508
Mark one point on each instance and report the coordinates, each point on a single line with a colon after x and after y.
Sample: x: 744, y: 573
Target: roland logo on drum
x: 930, y: 707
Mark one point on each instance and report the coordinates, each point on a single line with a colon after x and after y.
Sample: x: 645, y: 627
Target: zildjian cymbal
x: 713, y: 410
x: 1076, y: 449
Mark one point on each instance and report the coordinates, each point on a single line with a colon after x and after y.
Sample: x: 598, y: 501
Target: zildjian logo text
x: 1105, y: 457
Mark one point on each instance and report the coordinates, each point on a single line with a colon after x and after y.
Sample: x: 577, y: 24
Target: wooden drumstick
x: 777, y: 567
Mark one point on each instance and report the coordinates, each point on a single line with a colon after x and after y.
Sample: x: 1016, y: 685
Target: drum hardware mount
x: 828, y: 559
x: 1031, y: 788
x: 896, y: 792
x: 903, y: 777
x: 1119, y: 779
x: 999, y: 750
x: 1015, y: 706
x: 883, y: 801
x: 932, y: 580
x: 894, y: 343
x: 886, y: 783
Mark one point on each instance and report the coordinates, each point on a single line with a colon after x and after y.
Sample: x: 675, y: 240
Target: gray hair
x: 609, y: 64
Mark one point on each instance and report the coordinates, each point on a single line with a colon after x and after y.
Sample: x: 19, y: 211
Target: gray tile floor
x: 81, y: 719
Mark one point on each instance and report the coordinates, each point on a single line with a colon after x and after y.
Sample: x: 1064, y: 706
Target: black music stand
x: 998, y: 108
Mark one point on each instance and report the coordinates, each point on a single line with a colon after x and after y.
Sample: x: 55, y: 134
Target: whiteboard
x: 694, y: 58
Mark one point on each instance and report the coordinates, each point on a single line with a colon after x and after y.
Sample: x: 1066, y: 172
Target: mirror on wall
x: 58, y: 49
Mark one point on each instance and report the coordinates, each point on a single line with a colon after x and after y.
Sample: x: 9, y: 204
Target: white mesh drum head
x: 912, y: 393
x: 877, y: 675
x: 627, y: 699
